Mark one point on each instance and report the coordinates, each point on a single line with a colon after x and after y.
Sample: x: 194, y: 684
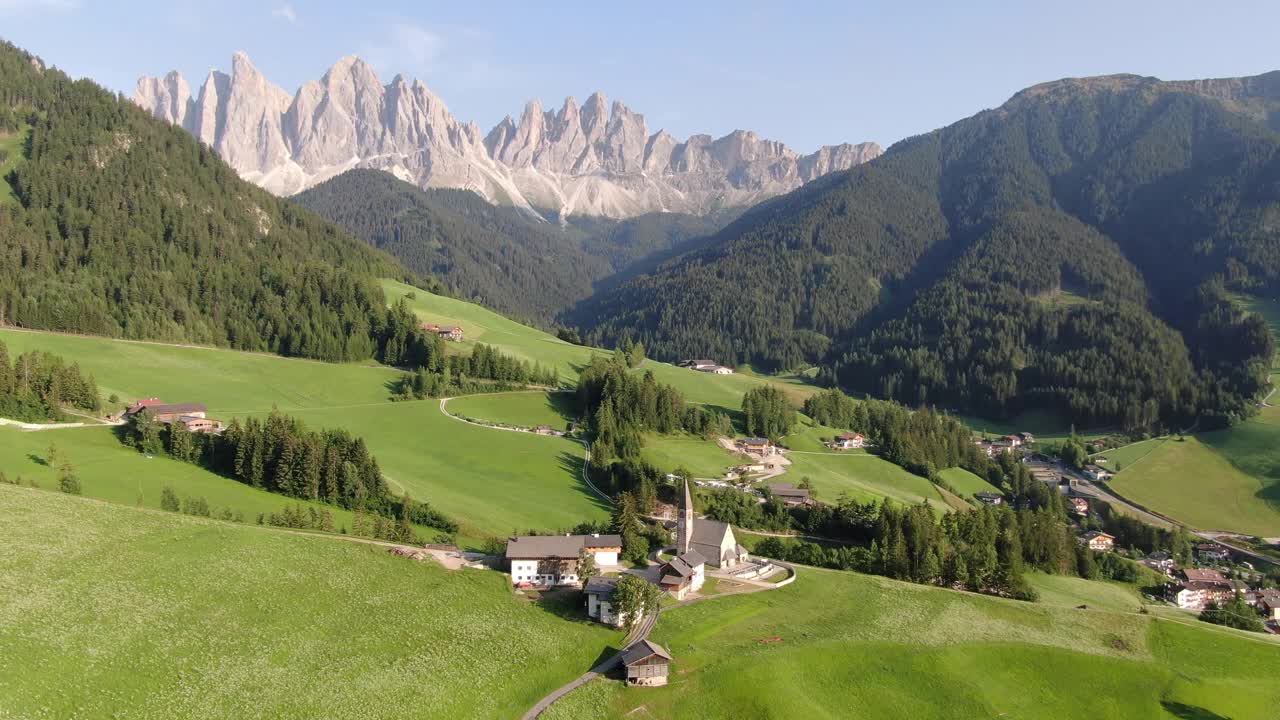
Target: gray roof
x: 603, y: 586
x: 642, y: 650
x: 563, y: 547
x: 787, y: 490
x: 686, y: 564
x: 709, y: 532
x: 175, y: 409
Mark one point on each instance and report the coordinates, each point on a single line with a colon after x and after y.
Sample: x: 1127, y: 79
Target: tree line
x: 279, y: 454
x: 38, y: 385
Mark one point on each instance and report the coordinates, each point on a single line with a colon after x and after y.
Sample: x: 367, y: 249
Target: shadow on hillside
x: 1190, y: 712
x: 574, y: 464
x: 564, y: 404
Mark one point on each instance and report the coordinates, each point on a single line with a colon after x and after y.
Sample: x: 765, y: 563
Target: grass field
x: 704, y: 458
x: 485, y: 326
x: 965, y: 482
x: 491, y: 481
x: 854, y: 646
x: 1068, y: 591
x: 111, y: 611
x: 109, y: 471
x: 528, y: 409
x: 862, y: 477
x: 1193, y: 481
x: 1123, y: 457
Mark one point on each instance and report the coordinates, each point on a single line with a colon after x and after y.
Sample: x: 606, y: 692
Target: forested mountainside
x: 120, y: 224
x: 1071, y: 249
x: 503, y: 257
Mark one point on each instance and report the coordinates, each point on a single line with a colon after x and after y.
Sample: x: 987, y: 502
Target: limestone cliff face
x: 597, y: 159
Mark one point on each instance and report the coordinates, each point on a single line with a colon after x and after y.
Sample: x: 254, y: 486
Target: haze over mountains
x: 597, y: 159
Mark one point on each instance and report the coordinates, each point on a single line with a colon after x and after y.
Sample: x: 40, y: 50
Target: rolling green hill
x: 113, y: 611
x: 840, y: 645
x: 921, y: 276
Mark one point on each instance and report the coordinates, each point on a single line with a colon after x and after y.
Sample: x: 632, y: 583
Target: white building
x: 714, y: 541
x: 599, y: 592
x: 547, y: 560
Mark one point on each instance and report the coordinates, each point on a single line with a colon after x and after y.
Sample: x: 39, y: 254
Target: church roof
x: 709, y: 532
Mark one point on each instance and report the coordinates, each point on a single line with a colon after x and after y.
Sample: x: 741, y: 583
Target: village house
x: 714, y: 540
x: 1098, y: 541
x: 701, y: 365
x: 1160, y: 562
x: 1201, y: 587
x: 1027, y: 438
x: 1079, y: 505
x: 757, y: 446
x: 549, y: 560
x: 1268, y: 601
x: 1212, y: 553
x: 200, y: 424
x: 1095, y: 473
x: 790, y: 494
x: 989, y: 498
x: 849, y: 441
x: 1012, y: 441
x: 646, y: 664
x: 683, y: 574
x: 750, y: 469
x: 452, y: 333
x: 599, y: 592
x: 716, y: 370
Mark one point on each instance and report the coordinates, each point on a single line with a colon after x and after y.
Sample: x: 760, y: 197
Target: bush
x: 169, y: 500
x: 196, y: 506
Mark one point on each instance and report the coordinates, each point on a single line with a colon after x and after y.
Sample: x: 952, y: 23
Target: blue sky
x: 808, y: 75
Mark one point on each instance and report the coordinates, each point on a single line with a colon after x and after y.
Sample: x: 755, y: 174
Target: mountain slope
x: 499, y: 256
x: 1175, y: 185
x: 591, y: 160
x: 125, y: 226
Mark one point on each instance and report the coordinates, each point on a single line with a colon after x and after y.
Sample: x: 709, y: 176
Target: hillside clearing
x: 526, y: 409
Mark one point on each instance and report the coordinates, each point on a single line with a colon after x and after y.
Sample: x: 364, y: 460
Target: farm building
x: 702, y: 364
x: 757, y: 446
x: 713, y: 540
x: 1096, y: 473
x: 200, y: 424
x: 166, y: 412
x: 684, y: 574
x: 849, y: 441
x: 548, y: 560
x: 989, y: 498
x: 790, y: 494
x: 452, y: 333
x: 1098, y: 541
x: 646, y: 664
x: 599, y: 592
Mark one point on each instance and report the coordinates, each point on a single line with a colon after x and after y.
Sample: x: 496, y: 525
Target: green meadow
x: 704, y: 458
x: 112, y: 611
x: 860, y: 476
x: 965, y: 482
x: 528, y: 409
x: 109, y: 471
x: 842, y: 645
x: 12, y: 149
x: 491, y: 481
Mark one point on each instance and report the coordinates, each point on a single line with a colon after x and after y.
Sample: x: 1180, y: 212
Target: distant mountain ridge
x: 595, y: 159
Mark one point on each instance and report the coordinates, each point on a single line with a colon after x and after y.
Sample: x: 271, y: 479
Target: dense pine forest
x: 1073, y: 250
x: 523, y: 265
x: 122, y: 225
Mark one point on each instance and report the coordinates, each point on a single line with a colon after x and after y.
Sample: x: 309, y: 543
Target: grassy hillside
x: 485, y: 326
x: 965, y: 482
x: 854, y: 646
x: 863, y: 477
x: 491, y: 481
x: 111, y: 611
x: 529, y: 409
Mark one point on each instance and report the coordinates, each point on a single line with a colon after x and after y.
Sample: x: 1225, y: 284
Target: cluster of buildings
x: 756, y: 447
x: 1008, y: 443
x: 193, y: 415
x: 452, y: 333
x: 707, y: 366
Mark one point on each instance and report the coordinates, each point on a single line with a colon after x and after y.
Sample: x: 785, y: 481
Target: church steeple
x: 684, y: 521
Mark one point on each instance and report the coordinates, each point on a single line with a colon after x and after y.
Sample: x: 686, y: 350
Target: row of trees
x: 38, y: 385
x: 279, y: 454
x: 484, y: 369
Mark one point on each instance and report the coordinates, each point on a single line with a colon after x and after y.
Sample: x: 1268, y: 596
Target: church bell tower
x: 684, y: 521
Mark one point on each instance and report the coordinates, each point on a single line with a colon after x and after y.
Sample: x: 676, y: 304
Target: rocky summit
x: 597, y: 159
